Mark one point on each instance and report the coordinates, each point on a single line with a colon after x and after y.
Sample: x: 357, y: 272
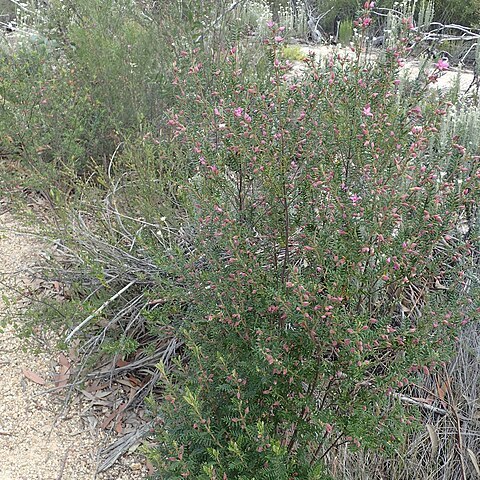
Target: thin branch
x: 99, y: 310
x: 215, y: 22
x: 21, y: 6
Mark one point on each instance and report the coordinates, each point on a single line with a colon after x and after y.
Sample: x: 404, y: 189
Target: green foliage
x: 7, y: 8
x: 93, y: 72
x: 345, y: 9
x: 124, y: 346
x: 48, y: 117
x: 345, y: 33
x: 466, y: 12
x: 293, y: 52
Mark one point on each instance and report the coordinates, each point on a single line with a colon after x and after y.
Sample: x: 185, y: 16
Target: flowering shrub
x: 327, y: 268
x: 308, y: 238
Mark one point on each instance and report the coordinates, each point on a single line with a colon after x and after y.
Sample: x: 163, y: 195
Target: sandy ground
x: 37, y: 441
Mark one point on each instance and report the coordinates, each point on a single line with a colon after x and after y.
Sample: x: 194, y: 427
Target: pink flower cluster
x: 442, y: 64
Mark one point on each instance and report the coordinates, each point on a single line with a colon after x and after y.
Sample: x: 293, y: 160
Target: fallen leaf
x: 96, y: 399
x: 126, y: 382
x: 95, y: 386
x: 131, y: 395
x: 33, y: 377
x: 441, y: 391
x: 102, y: 394
x: 73, y: 352
x: 61, y: 379
x: 151, y: 470
x: 157, y: 301
x: 63, y: 360
x: 43, y: 148
x: 134, y: 381
x: 118, y: 424
x: 92, y: 421
x: 110, y: 417
x: 121, y: 363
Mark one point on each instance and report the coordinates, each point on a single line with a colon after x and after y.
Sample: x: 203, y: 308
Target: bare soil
x: 410, y: 70
x: 38, y: 440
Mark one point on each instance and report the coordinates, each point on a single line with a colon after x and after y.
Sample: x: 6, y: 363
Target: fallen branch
x: 412, y: 401
x: 22, y: 6
x: 112, y: 453
x: 435, y: 33
x: 63, y: 463
x: 99, y: 310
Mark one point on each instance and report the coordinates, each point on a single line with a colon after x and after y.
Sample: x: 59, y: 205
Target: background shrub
x: 94, y: 73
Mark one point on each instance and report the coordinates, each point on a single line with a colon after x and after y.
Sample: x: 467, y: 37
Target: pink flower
x: 355, y: 198
x: 278, y: 39
x: 270, y: 24
x: 366, y: 111
x: 366, y: 21
x: 417, y: 111
x: 238, y: 112
x: 442, y: 64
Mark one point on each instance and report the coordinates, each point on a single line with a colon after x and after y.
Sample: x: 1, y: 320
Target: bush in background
x: 80, y: 78
x: 461, y: 13
x: 293, y: 52
x: 465, y: 12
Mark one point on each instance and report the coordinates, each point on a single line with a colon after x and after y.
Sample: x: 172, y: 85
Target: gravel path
x: 36, y: 441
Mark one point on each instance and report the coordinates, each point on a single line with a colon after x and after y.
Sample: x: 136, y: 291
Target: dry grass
x: 447, y: 446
